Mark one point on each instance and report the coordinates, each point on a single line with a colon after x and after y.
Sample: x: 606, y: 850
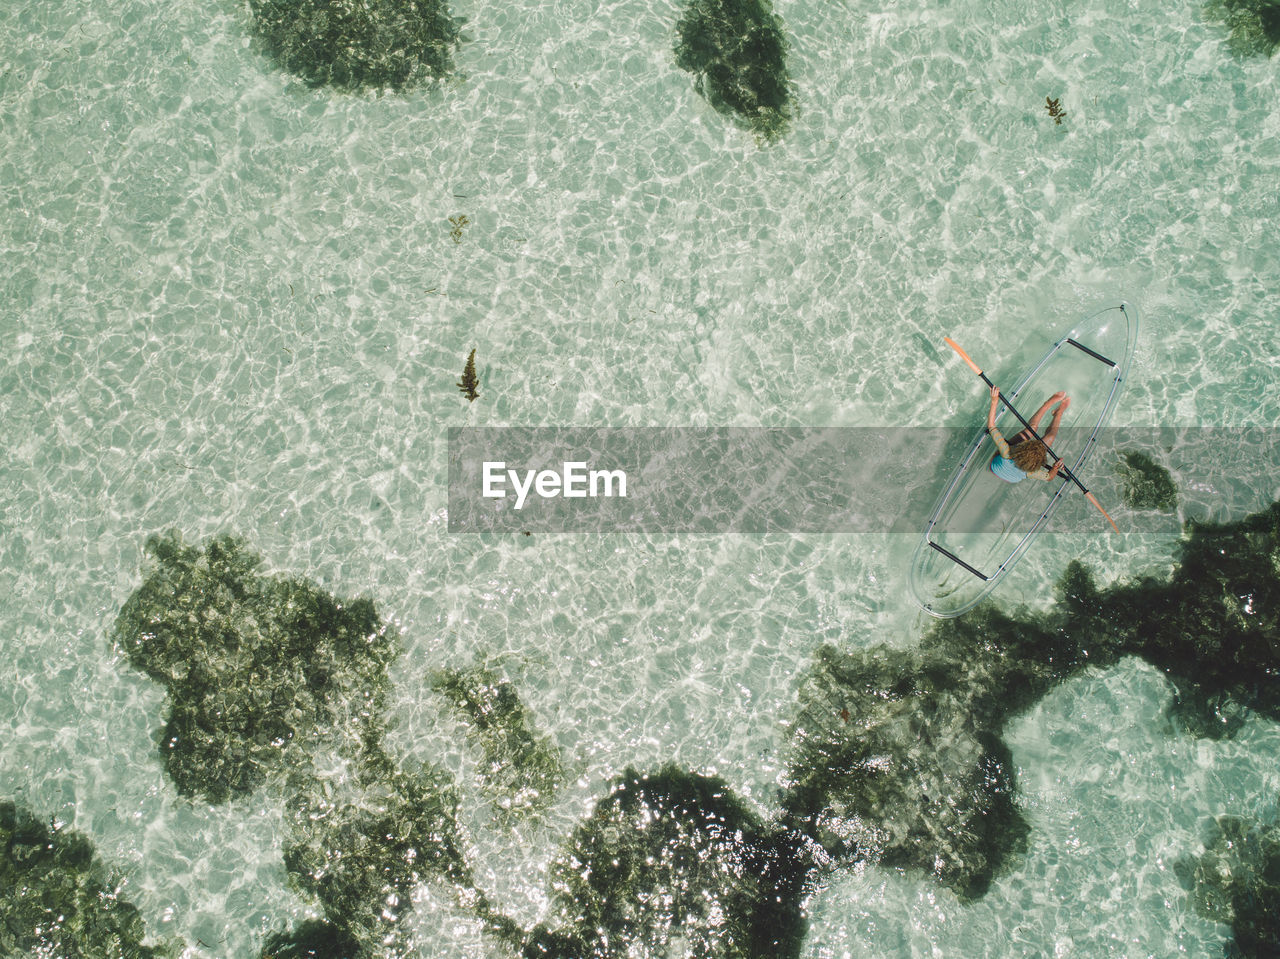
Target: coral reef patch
x: 57, y: 898
x: 522, y: 768
x: 359, y: 849
x: 1237, y: 881
x: 313, y: 939
x: 736, y: 51
x: 1213, y: 628
x: 896, y: 753
x: 672, y: 863
x: 358, y: 44
x: 1254, y: 25
x: 897, y: 757
x: 254, y: 665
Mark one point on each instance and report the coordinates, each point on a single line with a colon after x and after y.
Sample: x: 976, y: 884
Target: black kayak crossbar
x: 1085, y: 349
x: 957, y: 560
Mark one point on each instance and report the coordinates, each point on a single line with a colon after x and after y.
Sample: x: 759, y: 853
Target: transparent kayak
x: 982, y: 525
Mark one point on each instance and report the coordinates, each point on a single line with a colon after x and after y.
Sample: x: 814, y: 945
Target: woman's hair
x: 1028, y: 456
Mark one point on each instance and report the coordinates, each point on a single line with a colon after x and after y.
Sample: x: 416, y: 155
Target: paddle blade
x: 1094, y: 501
x: 963, y: 355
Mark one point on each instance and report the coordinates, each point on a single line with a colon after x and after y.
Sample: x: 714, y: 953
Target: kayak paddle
x: 1065, y: 469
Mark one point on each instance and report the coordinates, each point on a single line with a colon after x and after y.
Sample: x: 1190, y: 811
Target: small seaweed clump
x: 523, y: 767
x: 58, y: 899
x: 470, y: 383
x: 252, y: 664
x: 1237, y: 881
x: 737, y: 52
x: 358, y: 44
x: 673, y: 864
x: 1254, y: 25
x: 1147, y: 484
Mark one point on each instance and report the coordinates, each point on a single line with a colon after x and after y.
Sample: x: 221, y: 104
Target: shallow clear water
x: 232, y: 303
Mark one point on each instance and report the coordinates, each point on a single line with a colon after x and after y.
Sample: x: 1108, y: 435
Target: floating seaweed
x: 253, y: 665
x: 59, y: 899
x: 1147, y: 484
x: 1054, y: 106
x: 523, y: 768
x: 458, y: 223
x: 470, y: 382
x: 1254, y: 25
x: 672, y: 863
x: 358, y: 44
x: 737, y: 52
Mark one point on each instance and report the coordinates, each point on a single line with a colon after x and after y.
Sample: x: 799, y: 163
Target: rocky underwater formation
x: 1237, y: 881
x: 1145, y: 484
x: 897, y: 753
x: 896, y: 759
x: 273, y: 678
x: 261, y: 671
x: 671, y: 863
x: 522, y: 768
x: 1254, y: 25
x: 736, y: 51
x: 57, y: 898
x: 358, y: 44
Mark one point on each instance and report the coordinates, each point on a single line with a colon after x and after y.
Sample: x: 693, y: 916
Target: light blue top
x: 1007, y: 470
x: 1004, y: 467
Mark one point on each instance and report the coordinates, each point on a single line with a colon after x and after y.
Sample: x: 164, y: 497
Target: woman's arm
x: 1046, y: 475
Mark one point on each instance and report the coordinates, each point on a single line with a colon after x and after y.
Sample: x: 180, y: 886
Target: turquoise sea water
x: 231, y: 303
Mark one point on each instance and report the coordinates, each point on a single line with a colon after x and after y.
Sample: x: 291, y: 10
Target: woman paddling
x: 1025, y: 455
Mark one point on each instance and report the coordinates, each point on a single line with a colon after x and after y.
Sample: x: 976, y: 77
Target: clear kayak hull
x: 982, y: 525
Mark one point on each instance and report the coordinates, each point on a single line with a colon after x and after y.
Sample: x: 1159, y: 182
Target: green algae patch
x: 736, y: 51
x: 359, y: 849
x: 522, y: 768
x: 1254, y: 25
x: 896, y: 761
x: 896, y: 754
x: 259, y: 669
x: 57, y: 898
x: 1213, y: 628
x: 313, y: 939
x: 1237, y: 881
x: 673, y: 863
x: 358, y: 44
x: 1145, y: 483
